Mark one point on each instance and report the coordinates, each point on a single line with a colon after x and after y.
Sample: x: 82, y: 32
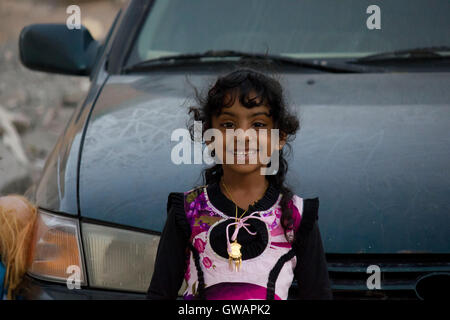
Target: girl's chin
x: 243, y: 168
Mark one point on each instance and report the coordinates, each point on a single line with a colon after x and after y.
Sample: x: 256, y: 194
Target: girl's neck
x: 244, y: 188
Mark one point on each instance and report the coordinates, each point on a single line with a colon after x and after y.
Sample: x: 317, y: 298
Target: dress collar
x: 226, y: 206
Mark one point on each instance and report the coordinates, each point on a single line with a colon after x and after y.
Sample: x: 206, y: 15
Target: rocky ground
x: 36, y: 106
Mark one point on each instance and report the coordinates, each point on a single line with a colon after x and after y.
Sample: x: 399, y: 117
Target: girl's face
x: 245, y: 157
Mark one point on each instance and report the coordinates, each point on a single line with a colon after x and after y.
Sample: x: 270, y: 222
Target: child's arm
x: 311, y: 270
x: 170, y: 260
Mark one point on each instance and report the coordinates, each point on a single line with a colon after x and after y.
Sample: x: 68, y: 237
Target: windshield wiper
x: 321, y: 65
x: 414, y: 53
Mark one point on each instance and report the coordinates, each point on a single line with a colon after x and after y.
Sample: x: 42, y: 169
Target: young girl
x: 242, y: 235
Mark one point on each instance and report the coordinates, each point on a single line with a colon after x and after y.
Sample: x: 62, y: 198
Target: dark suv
x: 374, y: 104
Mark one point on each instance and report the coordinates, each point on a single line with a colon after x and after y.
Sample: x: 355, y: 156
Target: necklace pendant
x: 235, y: 256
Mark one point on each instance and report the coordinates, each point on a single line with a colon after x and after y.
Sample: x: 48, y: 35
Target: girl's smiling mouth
x: 245, y: 152
x: 243, y: 156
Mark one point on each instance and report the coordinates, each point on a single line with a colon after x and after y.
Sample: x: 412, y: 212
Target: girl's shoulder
x: 179, y: 198
x: 179, y: 204
x: 184, y: 202
x: 304, y: 209
x: 194, y: 192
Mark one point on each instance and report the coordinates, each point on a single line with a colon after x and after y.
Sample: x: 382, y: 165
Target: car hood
x: 373, y: 147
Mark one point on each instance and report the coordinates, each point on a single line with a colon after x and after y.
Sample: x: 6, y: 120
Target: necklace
x: 234, y: 248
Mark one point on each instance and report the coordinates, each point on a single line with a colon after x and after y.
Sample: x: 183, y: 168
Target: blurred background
x: 38, y: 114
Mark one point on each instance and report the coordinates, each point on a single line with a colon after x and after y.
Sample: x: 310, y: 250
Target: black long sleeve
x: 311, y: 270
x: 170, y: 263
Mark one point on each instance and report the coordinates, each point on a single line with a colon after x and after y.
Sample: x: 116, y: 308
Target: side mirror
x: 55, y: 48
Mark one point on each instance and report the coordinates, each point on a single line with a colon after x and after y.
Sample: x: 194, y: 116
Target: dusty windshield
x: 302, y: 29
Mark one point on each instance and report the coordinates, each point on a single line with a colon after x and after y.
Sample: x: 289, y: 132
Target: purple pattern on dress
x: 195, y: 209
x: 236, y: 291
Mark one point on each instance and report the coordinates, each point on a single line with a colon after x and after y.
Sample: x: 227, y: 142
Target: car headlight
x: 115, y: 258
x: 56, y: 247
x: 119, y: 259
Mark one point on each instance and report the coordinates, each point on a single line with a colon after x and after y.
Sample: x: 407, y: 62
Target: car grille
x: 400, y: 275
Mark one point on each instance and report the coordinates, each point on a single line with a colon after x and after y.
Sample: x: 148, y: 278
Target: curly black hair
x: 269, y: 91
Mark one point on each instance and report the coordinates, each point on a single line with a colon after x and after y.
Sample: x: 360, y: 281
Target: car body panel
x: 35, y: 289
x: 373, y: 147
x: 57, y: 187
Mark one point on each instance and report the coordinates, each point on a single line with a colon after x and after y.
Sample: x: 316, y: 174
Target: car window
x: 304, y: 29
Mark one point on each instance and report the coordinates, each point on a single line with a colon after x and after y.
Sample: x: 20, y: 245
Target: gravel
x: 42, y: 101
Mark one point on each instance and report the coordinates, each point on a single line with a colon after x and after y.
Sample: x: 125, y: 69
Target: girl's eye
x: 227, y: 125
x: 259, y: 124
